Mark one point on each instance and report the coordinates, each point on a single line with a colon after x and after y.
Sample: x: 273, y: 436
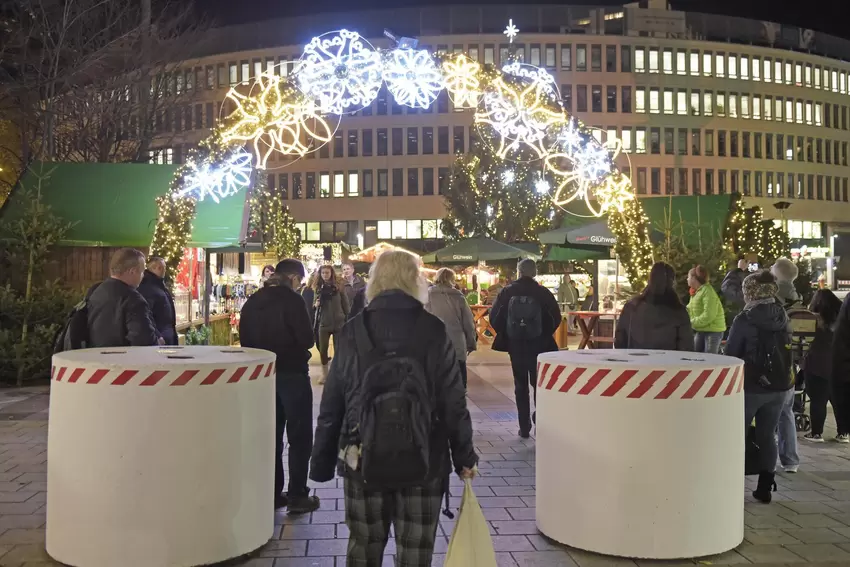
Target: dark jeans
x: 462, y: 364
x: 765, y: 408
x: 817, y: 389
x: 294, y: 413
x: 324, y: 343
x: 524, y: 367
x: 841, y: 405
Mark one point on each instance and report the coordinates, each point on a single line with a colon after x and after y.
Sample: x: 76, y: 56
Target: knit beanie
x: 761, y: 285
x: 784, y: 270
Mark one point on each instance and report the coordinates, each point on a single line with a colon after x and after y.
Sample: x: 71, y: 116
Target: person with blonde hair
x: 451, y: 307
x: 393, y: 412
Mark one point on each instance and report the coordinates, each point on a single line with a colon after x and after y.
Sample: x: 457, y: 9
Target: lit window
x: 767, y: 70
x: 668, y: 62
x: 817, y: 73
x: 626, y: 138
x: 695, y: 103
x: 826, y: 79
x: 789, y: 110
x: 733, y: 105
x: 611, y: 134
x: 721, y: 104
x: 682, y: 102
x: 732, y: 66
x: 414, y: 229
x: 429, y: 228
x: 818, y: 113
x: 778, y: 108
x: 788, y: 77
x: 653, y: 101
x: 798, y: 74
x: 353, y: 184
x: 808, y: 113
x: 756, y: 108
x: 653, y: 60
x: 808, y: 75
x: 777, y: 71
x: 314, y: 233
x: 640, y: 100
x: 745, y: 67
x: 680, y: 63
x: 694, y: 63
x: 707, y: 106
x: 597, y: 135
x: 325, y: 185
x: 399, y: 229
x: 385, y: 230
x: 339, y: 184
x: 640, y: 61
x: 843, y: 83
x: 668, y: 101
x: 756, y: 69
x: 768, y: 108
x: 745, y: 106
x: 799, y: 112
x: 640, y: 141
x: 706, y: 64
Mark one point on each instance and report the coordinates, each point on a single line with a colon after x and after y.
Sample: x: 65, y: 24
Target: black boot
x: 765, y: 487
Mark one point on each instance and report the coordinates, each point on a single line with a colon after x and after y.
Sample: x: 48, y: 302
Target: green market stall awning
x: 594, y: 234
x: 478, y: 249
x: 576, y: 254
x: 113, y: 204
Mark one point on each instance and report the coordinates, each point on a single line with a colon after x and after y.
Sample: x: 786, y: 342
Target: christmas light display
x: 540, y: 77
x: 341, y: 70
x: 462, y: 82
x: 412, y: 77
x: 218, y: 180
x: 511, y: 31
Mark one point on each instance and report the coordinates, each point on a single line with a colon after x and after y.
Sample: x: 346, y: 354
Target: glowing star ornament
x: 588, y: 174
x: 511, y: 31
x: 525, y: 117
x: 542, y: 186
x: 462, y: 82
x: 412, y: 77
x: 508, y: 176
x: 218, y: 180
x: 529, y: 73
x: 614, y: 192
x: 341, y: 70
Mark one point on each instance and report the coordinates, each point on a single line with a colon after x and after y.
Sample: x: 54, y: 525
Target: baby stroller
x: 803, y: 327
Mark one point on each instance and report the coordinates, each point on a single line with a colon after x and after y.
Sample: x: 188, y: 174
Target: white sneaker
x: 791, y: 469
x: 813, y: 438
x: 843, y: 438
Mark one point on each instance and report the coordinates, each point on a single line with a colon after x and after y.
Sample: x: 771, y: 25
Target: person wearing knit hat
x: 785, y: 271
x: 759, y: 336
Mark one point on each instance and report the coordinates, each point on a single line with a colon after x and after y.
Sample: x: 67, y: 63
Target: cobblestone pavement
x: 808, y: 523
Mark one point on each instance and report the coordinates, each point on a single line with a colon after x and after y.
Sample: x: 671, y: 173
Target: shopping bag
x: 470, y: 545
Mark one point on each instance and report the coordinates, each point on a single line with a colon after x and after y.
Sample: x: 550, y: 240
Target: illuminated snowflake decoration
x: 341, y: 70
x: 588, y: 174
x: 462, y: 82
x: 218, y: 180
x: 525, y: 117
x: 274, y: 118
x: 412, y: 77
x: 536, y: 75
x: 511, y: 31
x: 542, y: 186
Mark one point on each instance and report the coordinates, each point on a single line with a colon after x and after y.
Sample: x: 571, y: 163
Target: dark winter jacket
x: 352, y: 288
x: 818, y: 360
x: 119, y: 316
x: 732, y: 288
x: 275, y: 318
x: 647, y: 325
x: 551, y: 319
x: 333, y: 308
x: 309, y: 295
x: 161, y: 305
x: 390, y: 319
x: 841, y: 344
x: 768, y: 316
x: 359, y: 303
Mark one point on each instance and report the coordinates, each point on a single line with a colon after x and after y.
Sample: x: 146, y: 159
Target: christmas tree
x: 275, y: 222
x: 489, y: 196
x: 633, y: 247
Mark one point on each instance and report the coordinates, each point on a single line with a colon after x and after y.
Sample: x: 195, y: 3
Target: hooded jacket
x: 759, y: 316
x: 706, y: 311
x: 732, y: 288
x: 841, y: 344
x: 646, y: 325
x: 161, y: 305
x: 450, y: 306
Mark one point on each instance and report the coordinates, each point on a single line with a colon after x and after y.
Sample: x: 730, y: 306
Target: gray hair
x: 397, y: 270
x: 445, y: 276
x: 526, y: 267
x: 125, y: 260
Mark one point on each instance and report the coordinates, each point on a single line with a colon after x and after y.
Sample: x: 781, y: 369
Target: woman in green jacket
x: 706, y: 311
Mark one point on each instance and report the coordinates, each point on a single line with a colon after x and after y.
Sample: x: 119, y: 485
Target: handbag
x: 470, y: 545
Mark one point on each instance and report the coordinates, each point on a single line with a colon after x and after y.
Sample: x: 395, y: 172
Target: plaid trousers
x: 414, y: 511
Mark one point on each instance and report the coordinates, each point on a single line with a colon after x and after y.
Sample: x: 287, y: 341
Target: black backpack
x: 525, y: 318
x: 74, y: 334
x: 396, y: 409
x: 772, y: 367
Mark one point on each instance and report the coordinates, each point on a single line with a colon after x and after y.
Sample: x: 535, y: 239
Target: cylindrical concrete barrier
x: 641, y: 453
x: 160, y: 456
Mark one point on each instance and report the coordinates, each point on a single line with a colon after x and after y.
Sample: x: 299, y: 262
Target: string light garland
x: 274, y: 221
x: 633, y: 247
x: 218, y: 180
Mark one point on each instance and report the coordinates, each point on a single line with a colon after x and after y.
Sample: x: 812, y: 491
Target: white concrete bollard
x: 641, y: 453
x: 160, y: 456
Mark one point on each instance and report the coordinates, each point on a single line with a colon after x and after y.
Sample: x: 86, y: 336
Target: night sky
x: 828, y: 17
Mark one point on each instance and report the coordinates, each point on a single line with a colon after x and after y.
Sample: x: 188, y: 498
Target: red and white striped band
x: 182, y: 377
x: 641, y: 382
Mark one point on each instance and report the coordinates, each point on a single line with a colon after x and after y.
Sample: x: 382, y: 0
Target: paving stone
x: 588, y: 559
x: 820, y: 552
x: 513, y: 527
x: 22, y: 536
x: 522, y: 513
x: 768, y: 554
x: 21, y: 521
x: 816, y: 535
x: 511, y: 543
x: 544, y: 559
x: 257, y: 562
x: 500, y: 502
x: 309, y: 531
x: 814, y: 521
x: 305, y: 562
x: 768, y: 536
x: 23, y: 553
x: 799, y: 507
x: 328, y: 517
x: 284, y: 548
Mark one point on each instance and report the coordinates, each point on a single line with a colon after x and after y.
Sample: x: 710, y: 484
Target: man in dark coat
x: 841, y: 372
x: 275, y: 318
x: 524, y: 353
x: 118, y: 315
x: 353, y: 283
x: 732, y: 286
x: 159, y: 300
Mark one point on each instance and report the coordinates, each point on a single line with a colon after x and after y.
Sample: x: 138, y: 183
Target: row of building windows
x: 396, y: 182
x: 347, y: 231
x: 684, y: 181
